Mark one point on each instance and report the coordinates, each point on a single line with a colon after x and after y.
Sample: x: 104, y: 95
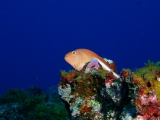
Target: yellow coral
x: 147, y: 77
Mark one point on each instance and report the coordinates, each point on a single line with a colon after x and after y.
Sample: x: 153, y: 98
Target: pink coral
x: 144, y: 100
x: 153, y: 99
x: 147, y: 100
x: 149, y: 106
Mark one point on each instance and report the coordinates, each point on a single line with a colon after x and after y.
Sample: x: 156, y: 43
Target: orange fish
x: 78, y: 59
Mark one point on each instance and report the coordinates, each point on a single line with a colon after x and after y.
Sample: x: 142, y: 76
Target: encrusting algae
x: 94, y: 93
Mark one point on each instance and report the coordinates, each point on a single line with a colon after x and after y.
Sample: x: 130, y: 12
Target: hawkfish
x: 79, y: 57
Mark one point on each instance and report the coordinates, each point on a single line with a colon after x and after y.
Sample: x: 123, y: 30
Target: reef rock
x: 95, y: 94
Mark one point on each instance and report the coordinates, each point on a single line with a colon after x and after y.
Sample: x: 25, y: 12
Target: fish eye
x: 73, y: 52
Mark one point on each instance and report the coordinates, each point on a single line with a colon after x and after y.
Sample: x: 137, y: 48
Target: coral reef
x: 90, y: 94
x: 146, y: 86
x: 17, y: 104
x: 95, y: 94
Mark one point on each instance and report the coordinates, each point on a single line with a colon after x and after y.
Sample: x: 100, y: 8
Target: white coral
x: 65, y: 92
x: 108, y: 60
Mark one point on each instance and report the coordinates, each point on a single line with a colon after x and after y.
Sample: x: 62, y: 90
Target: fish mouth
x: 65, y: 57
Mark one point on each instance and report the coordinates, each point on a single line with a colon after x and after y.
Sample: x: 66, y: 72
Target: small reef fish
x: 79, y: 57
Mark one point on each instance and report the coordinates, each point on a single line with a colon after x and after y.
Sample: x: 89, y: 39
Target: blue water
x: 36, y: 34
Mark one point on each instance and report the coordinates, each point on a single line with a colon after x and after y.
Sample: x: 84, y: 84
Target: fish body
x: 79, y: 57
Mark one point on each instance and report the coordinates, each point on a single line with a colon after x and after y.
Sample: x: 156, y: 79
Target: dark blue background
x: 36, y: 34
